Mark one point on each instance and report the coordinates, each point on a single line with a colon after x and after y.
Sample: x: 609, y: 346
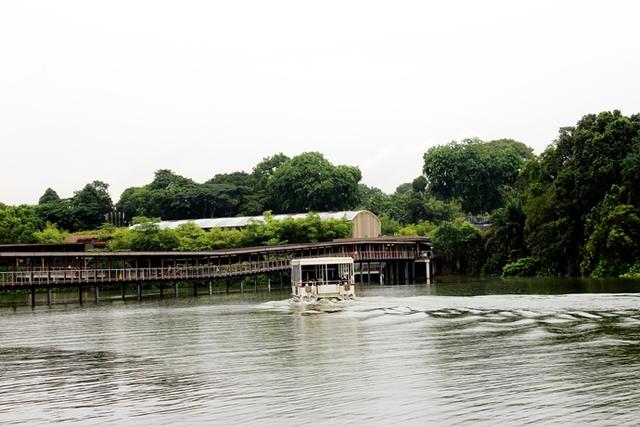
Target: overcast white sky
x: 115, y: 90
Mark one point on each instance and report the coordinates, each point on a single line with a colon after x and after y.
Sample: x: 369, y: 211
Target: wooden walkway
x: 68, y: 269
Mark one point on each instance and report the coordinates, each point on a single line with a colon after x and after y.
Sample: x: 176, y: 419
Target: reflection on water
x: 403, y: 355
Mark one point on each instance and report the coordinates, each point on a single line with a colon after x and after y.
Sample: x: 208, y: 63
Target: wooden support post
x: 389, y: 273
x: 255, y: 284
x: 406, y: 272
x: 33, y: 296
x: 427, y: 266
x: 385, y: 269
x: 48, y: 296
x: 96, y: 293
x: 210, y: 288
x: 269, y: 284
x: 139, y: 292
x: 123, y: 290
x: 175, y: 289
x: 80, y: 295
x: 396, y: 276
x: 413, y: 272
x: 241, y: 286
x: 195, y: 289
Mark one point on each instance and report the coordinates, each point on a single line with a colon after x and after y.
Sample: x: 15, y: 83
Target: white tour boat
x: 313, y: 279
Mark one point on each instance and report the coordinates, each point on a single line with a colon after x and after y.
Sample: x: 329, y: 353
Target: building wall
x: 365, y: 225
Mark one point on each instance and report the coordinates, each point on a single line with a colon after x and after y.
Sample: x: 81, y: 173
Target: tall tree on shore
x: 309, y: 182
x: 90, y: 205
x: 474, y: 172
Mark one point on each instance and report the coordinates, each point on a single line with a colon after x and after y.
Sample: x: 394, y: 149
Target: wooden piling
x: 406, y: 272
x: 413, y: 272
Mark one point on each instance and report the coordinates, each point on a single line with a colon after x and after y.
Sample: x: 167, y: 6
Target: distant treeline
x: 572, y: 210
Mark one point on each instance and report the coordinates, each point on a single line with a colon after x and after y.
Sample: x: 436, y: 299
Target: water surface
x: 467, y: 352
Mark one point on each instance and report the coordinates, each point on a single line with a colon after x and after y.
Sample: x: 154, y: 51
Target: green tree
x: 504, y: 241
x: 373, y: 199
x: 459, y: 245
x: 18, y: 224
x: 90, y: 205
x: 572, y: 177
x: 50, y: 234
x: 475, y: 172
x: 146, y: 235
x: 613, y: 245
x: 232, y: 194
x: 49, y: 196
x: 309, y: 182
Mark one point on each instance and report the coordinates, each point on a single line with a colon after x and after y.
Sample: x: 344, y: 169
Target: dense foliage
x: 18, y: 224
x: 527, y: 266
x: 307, y: 182
x: 474, y: 172
x: 86, y: 210
x: 581, y: 198
x: 460, y: 245
x: 147, y: 236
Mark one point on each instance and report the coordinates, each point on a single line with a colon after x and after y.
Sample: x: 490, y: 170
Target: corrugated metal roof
x: 243, y: 221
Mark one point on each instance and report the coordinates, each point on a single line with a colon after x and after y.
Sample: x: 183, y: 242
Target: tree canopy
x: 309, y: 182
x: 588, y: 174
x: 474, y: 172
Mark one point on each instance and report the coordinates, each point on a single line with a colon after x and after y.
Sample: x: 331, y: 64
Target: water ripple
x: 412, y: 360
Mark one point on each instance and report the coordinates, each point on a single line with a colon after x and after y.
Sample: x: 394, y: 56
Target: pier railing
x: 53, y: 269
x: 108, y: 275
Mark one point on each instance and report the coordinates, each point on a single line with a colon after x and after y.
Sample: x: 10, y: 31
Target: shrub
x: 527, y: 266
x: 633, y: 273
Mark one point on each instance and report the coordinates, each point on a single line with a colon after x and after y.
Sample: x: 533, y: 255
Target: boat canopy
x: 322, y: 261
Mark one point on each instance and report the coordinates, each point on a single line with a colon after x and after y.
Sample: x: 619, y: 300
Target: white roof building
x: 365, y: 223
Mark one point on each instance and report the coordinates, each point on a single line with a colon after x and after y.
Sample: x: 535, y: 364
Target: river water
x: 468, y: 352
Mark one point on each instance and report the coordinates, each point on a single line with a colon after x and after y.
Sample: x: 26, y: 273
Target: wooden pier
x: 394, y: 260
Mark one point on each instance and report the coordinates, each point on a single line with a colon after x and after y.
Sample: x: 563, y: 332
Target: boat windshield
x: 322, y: 273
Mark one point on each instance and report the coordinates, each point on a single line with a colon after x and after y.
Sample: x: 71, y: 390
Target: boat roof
x: 322, y: 260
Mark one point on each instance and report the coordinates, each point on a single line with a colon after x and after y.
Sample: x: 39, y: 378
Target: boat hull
x: 318, y: 292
